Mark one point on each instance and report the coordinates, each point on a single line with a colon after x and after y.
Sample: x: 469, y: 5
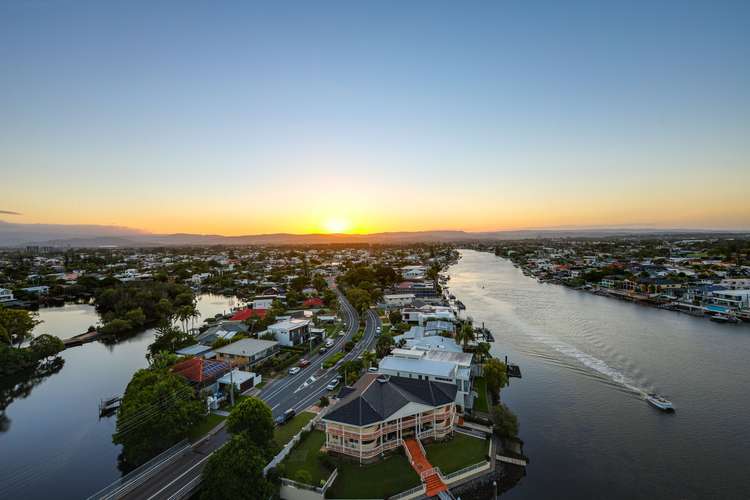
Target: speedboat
x: 724, y: 318
x: 660, y: 402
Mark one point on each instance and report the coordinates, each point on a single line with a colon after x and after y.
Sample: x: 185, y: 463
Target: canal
x: 586, y: 363
x: 53, y: 444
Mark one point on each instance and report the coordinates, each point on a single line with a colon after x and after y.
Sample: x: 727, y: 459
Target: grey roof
x: 246, y: 347
x: 193, y: 350
x: 421, y: 366
x: 378, y: 397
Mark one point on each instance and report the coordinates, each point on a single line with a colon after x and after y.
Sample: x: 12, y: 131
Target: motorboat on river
x: 660, y: 402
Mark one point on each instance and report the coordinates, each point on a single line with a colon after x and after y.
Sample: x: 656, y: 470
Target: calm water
x: 56, y: 446
x: 586, y: 361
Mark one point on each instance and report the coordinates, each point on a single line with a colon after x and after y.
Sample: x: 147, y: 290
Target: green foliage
x: 16, y: 360
x: 16, y: 326
x: 236, y: 471
x: 303, y: 476
x: 169, y: 338
x: 116, y: 327
x: 46, y: 346
x: 253, y: 416
x: 466, y: 334
x: 324, y: 401
x: 359, y: 298
x: 496, y: 374
x: 395, y: 317
x: 504, y: 421
x: 383, y: 345
x: 158, y: 409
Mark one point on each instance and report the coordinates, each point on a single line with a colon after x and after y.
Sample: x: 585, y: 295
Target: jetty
x: 109, y: 406
x: 81, y: 339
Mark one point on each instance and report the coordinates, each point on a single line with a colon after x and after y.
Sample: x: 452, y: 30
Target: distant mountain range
x: 62, y: 235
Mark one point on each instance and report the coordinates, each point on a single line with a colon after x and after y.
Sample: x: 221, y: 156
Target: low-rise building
x: 291, y: 332
x: 246, y: 352
x: 379, y: 412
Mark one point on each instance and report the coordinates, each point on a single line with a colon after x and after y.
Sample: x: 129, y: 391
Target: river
x: 55, y: 445
x: 586, y: 361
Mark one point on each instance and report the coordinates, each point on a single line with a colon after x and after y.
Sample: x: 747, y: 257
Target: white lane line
x: 181, y: 475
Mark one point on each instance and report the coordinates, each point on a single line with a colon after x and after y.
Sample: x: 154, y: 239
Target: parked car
x: 333, y: 384
x: 322, y: 349
x: 373, y: 369
x: 286, y: 417
x: 329, y: 343
x: 303, y: 363
x: 294, y: 370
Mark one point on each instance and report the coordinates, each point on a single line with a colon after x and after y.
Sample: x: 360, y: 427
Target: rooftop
x: 246, y: 347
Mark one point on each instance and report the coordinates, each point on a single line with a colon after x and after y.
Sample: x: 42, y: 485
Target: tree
x: 368, y: 358
x: 236, y: 471
x: 46, y: 346
x: 253, y: 416
x: 16, y: 326
x: 384, y: 345
x: 395, y: 317
x: 504, y: 421
x: 465, y: 334
x: 169, y: 338
x: 157, y: 410
x: 496, y: 374
x: 360, y: 299
x: 324, y: 401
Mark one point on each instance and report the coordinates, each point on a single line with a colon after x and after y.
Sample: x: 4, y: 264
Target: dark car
x: 286, y: 417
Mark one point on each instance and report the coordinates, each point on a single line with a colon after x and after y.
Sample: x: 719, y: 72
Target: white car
x: 294, y: 370
x: 333, y: 384
x: 329, y: 343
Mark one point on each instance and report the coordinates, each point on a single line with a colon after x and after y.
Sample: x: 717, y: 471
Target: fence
x: 296, y: 439
x: 136, y: 477
x: 416, y: 491
x: 471, y: 468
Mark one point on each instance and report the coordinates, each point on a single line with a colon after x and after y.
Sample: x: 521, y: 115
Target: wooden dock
x: 109, y: 406
x: 511, y: 460
x: 81, y: 339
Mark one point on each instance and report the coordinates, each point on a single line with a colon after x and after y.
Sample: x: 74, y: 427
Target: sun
x: 336, y: 225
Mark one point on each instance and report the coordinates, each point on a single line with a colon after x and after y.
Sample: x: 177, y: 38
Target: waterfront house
x: 224, y: 330
x: 291, y: 332
x: 202, y: 373
x: 246, y: 352
x: 6, y: 295
x: 380, y: 412
x: 438, y: 365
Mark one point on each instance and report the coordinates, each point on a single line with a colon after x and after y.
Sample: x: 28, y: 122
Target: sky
x: 242, y: 117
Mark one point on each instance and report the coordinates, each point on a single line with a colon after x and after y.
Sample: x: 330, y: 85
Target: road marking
x: 181, y: 475
x: 275, y: 406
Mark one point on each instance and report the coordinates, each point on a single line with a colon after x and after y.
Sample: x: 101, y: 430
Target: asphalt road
x: 298, y: 392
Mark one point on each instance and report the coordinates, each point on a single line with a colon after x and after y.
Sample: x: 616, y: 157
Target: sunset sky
x: 346, y: 117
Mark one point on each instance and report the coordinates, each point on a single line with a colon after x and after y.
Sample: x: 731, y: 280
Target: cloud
x: 9, y: 212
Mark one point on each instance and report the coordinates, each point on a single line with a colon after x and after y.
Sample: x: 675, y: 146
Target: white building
x: 6, y: 295
x: 291, y: 332
x: 436, y: 365
x: 395, y: 300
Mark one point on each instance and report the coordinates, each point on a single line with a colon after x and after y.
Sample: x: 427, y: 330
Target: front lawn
x: 202, y: 428
x: 304, y: 456
x: 379, y: 480
x: 457, y: 453
x: 480, y: 404
x: 284, y: 433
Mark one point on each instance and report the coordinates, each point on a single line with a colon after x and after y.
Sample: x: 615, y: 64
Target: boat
x: 660, y: 402
x: 724, y: 318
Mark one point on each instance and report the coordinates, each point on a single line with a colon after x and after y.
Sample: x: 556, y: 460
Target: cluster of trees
x: 128, y: 307
x: 16, y: 326
x: 365, y: 284
x: 236, y: 469
x: 158, y: 409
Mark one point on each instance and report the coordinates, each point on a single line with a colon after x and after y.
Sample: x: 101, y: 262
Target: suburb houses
x: 381, y: 412
x: 291, y: 332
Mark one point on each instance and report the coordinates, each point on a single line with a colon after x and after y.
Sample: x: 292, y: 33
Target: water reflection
x: 21, y: 385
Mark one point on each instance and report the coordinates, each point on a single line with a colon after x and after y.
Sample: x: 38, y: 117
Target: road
x: 298, y: 392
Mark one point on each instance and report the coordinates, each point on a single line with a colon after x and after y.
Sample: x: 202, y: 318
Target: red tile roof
x: 248, y: 313
x: 313, y: 302
x: 200, y: 369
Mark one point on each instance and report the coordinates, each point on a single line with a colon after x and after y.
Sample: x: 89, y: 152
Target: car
x: 286, y: 417
x: 333, y: 384
x: 303, y: 363
x: 329, y: 343
x: 342, y: 334
x: 377, y: 329
x: 294, y: 370
x: 373, y: 369
x: 322, y: 349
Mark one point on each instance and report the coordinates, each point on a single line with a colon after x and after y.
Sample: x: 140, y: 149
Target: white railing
x: 187, y: 490
x: 416, y: 490
x: 469, y: 468
x: 288, y: 447
x: 408, y: 453
x: 317, y: 489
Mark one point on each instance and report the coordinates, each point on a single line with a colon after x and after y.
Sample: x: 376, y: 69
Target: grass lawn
x: 284, y: 433
x: 304, y: 456
x: 480, y: 404
x: 201, y: 429
x: 459, y: 452
x: 379, y: 480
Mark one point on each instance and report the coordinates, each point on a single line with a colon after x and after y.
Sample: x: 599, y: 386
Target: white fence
x: 288, y: 447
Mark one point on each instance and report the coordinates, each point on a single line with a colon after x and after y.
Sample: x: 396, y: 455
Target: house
x: 738, y: 299
x: 380, y: 411
x: 246, y: 352
x: 397, y: 300
x: 202, y: 373
x: 413, y: 272
x: 291, y: 332
x: 6, y: 295
x: 194, y: 350
x: 242, y: 380
x: 247, y: 313
x: 312, y: 302
x: 38, y: 290
x: 434, y: 364
x: 224, y: 330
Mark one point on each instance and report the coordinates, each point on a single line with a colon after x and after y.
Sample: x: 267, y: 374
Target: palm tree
x: 465, y: 334
x: 368, y: 357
